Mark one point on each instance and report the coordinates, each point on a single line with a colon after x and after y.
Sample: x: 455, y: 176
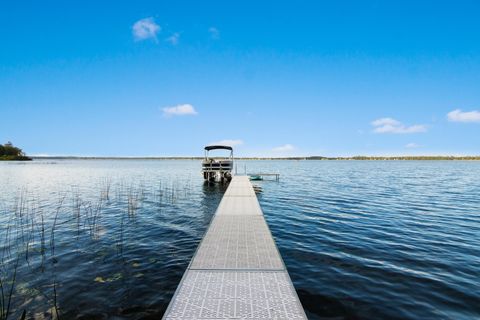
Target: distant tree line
x: 278, y: 158
x: 9, y: 152
x: 371, y: 158
x: 409, y: 158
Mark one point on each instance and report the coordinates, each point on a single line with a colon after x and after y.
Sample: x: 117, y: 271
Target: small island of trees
x: 9, y: 152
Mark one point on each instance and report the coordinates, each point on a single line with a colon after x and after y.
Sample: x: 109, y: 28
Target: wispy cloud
x: 389, y: 125
x: 460, y: 116
x: 214, y: 33
x: 174, y: 39
x: 412, y: 145
x: 285, y: 148
x: 145, y: 28
x: 228, y: 142
x: 179, y: 110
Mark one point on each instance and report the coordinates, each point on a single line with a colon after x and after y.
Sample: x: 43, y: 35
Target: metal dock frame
x: 237, y: 271
x: 276, y: 175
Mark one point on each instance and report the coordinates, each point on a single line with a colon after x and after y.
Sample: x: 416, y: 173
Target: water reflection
x: 361, y: 240
x: 100, y: 245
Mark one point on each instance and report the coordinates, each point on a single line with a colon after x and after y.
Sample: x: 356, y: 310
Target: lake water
x: 101, y: 239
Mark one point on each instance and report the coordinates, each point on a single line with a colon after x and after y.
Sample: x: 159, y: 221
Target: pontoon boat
x: 218, y: 169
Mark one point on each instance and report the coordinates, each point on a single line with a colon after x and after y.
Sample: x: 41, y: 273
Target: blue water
x: 361, y: 239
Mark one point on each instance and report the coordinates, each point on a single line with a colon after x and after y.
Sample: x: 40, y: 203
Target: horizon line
x: 254, y: 157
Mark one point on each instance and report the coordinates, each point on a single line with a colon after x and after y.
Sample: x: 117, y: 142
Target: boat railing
x: 217, y: 166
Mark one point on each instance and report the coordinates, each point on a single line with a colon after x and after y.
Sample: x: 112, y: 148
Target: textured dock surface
x: 237, y: 271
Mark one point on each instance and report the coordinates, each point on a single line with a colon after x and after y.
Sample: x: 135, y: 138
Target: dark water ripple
x: 384, y: 240
x: 361, y: 239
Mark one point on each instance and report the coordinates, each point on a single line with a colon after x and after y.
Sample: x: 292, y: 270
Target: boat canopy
x: 208, y: 148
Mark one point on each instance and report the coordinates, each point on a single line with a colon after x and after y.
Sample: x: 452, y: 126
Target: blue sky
x: 150, y: 78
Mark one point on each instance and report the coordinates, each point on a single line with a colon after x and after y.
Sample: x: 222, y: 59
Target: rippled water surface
x: 98, y: 239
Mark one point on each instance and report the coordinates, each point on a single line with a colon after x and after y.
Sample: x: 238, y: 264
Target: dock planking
x: 237, y: 271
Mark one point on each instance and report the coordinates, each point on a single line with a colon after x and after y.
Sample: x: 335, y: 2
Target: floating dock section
x: 237, y: 271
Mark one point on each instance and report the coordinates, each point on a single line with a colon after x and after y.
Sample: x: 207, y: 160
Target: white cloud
x: 389, y: 125
x: 385, y: 122
x: 180, y: 110
x: 145, y: 28
x: 214, y: 33
x: 174, y: 38
x: 228, y: 142
x: 412, y: 145
x: 285, y: 148
x: 460, y: 116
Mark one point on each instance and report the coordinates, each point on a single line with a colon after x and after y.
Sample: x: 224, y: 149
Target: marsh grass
x: 133, y: 200
x: 92, y: 216
x: 6, y: 292
x: 105, y: 189
x: 34, y: 232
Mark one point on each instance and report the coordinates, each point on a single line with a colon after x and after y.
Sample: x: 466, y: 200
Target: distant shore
x: 405, y: 158
x: 8, y: 152
x: 15, y: 158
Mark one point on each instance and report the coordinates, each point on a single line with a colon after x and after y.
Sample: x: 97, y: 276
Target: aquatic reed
x: 55, y: 220
x: 92, y: 216
x: 32, y: 230
x: 6, y: 294
x: 105, y: 187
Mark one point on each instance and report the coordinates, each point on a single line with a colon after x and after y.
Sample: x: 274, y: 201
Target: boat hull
x: 217, y: 171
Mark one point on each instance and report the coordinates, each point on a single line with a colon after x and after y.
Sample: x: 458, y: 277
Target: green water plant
x: 6, y: 293
x: 35, y: 233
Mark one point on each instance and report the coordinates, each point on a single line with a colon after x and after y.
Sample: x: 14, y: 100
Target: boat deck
x: 237, y: 271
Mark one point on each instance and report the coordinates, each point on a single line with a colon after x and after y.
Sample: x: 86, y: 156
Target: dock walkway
x: 237, y: 271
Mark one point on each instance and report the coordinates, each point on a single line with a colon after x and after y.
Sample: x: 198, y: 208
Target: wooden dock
x: 237, y: 271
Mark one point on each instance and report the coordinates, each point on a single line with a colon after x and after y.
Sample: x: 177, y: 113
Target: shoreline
x: 15, y: 158
x: 356, y: 158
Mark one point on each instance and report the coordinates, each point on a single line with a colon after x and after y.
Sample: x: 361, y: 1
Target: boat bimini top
x: 218, y: 147
x: 208, y: 148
